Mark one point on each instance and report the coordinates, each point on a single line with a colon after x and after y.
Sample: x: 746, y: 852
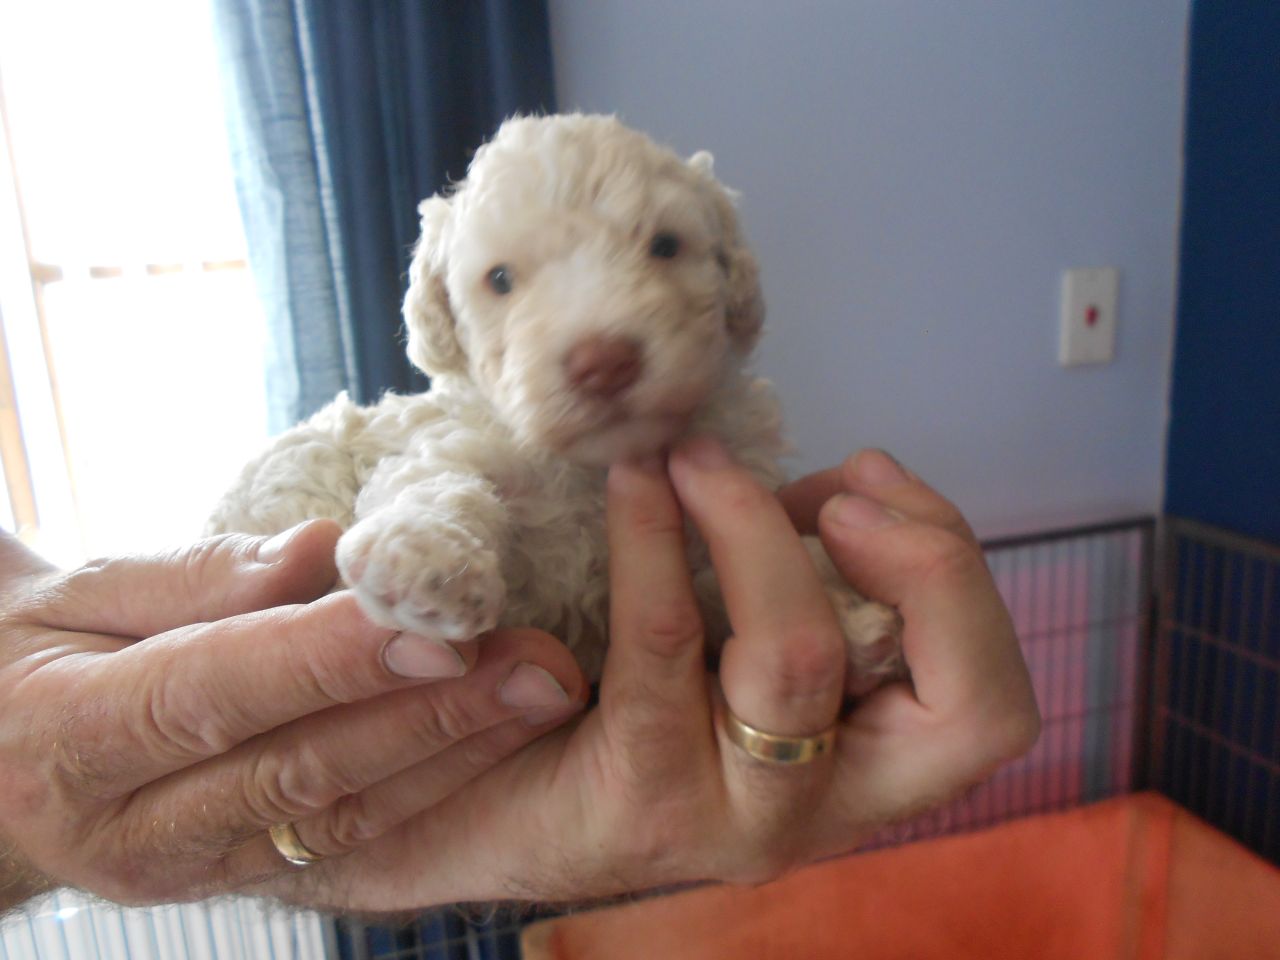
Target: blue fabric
x: 271, y: 125
x: 1224, y: 434
x: 344, y: 115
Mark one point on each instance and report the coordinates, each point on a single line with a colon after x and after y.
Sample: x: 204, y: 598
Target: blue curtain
x: 343, y: 114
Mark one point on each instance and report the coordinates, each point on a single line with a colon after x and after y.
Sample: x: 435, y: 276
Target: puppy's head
x: 594, y: 285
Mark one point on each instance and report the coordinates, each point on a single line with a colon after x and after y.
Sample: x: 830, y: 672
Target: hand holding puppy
x: 648, y: 789
x: 159, y: 714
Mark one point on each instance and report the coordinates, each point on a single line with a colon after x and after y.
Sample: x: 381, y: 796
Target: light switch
x: 1088, y: 316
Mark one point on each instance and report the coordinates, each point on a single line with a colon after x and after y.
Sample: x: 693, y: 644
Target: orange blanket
x: 1135, y: 878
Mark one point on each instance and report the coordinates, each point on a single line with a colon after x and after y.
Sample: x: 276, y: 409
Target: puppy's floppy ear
x: 744, y: 303
x: 433, y: 339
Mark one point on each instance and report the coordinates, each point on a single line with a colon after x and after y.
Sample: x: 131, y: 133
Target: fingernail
x: 862, y: 514
x: 529, y: 687
x: 408, y: 655
x: 272, y: 550
x: 705, y: 452
x: 877, y: 467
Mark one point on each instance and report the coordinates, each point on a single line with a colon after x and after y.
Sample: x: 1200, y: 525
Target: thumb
x: 216, y: 578
x: 958, y: 639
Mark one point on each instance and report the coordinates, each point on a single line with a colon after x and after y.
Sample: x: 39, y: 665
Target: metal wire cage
x: 1215, y: 721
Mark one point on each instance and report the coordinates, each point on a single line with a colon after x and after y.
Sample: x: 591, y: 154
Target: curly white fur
x: 624, y: 309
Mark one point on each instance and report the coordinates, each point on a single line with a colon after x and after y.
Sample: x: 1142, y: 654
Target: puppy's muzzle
x: 603, y: 366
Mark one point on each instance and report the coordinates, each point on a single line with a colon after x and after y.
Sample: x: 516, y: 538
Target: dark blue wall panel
x: 1224, y: 439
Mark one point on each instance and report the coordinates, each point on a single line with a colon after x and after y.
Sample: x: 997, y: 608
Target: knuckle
x: 325, y: 680
x: 180, y: 722
x: 287, y: 785
x: 480, y: 753
x: 441, y: 720
x: 204, y: 561
x: 330, y: 651
x: 329, y: 674
x: 351, y: 823
x: 670, y: 627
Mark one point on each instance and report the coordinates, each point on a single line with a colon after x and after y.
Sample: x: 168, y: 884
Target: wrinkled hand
x: 158, y: 714
x: 646, y: 790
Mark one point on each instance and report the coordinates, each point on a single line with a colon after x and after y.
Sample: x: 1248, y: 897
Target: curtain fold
x: 344, y: 115
x: 270, y: 129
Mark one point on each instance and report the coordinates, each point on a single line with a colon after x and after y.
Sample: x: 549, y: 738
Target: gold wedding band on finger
x: 776, y: 749
x: 287, y: 844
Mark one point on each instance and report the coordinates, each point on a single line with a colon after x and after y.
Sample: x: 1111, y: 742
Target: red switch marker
x: 1091, y: 316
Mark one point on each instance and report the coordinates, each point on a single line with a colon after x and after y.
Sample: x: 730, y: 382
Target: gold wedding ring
x: 286, y: 841
x: 772, y: 748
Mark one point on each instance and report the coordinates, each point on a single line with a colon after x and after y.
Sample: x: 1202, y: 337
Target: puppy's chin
x: 629, y: 439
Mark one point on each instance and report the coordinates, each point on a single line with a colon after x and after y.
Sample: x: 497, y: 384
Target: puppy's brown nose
x: 603, y: 366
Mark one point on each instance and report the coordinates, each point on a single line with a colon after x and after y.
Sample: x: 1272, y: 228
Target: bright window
x: 131, y: 361
x: 135, y: 339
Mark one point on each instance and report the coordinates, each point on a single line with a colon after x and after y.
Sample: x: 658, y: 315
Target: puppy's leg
x: 428, y: 557
x: 304, y: 475
x: 873, y: 631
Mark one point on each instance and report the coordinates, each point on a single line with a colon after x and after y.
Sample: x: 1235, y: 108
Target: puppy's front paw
x: 438, y: 581
x: 873, y: 638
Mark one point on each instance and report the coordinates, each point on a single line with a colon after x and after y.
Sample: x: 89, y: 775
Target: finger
x: 360, y: 819
x: 783, y: 670
x: 195, y: 693
x: 896, y: 759
x: 348, y: 774
x: 653, y: 691
x: 958, y: 639
x: 876, y: 474
x: 803, y: 498
x: 218, y: 577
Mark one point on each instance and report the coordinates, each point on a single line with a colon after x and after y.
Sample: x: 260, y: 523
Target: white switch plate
x: 1088, y: 316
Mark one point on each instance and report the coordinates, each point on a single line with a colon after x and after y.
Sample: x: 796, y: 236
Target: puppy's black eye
x: 665, y: 246
x: 499, y: 280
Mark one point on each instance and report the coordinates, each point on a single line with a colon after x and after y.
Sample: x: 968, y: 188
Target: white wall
x: 916, y: 175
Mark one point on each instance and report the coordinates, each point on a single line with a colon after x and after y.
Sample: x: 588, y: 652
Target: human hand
x: 648, y: 790
x: 158, y: 714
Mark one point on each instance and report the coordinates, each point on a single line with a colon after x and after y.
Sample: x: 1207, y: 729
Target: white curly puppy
x: 583, y: 296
